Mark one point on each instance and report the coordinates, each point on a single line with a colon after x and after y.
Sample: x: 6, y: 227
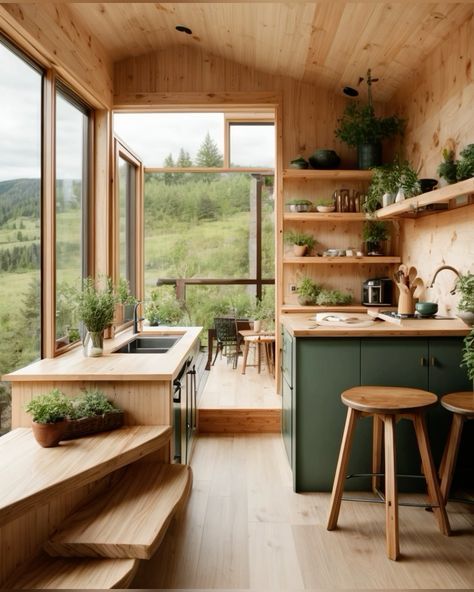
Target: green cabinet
x: 315, y: 371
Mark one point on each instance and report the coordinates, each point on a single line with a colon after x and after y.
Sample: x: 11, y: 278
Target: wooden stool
x: 386, y: 404
x: 267, y: 342
x: 461, y: 406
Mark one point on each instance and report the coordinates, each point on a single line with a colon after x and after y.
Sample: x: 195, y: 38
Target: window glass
x: 71, y: 200
x: 252, y: 145
x: 20, y: 222
x: 127, y: 173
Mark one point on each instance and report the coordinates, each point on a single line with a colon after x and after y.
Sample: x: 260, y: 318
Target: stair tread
x: 131, y: 520
x: 60, y: 573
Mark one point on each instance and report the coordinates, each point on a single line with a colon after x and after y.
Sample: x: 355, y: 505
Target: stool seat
x: 462, y: 403
x: 387, y: 405
x: 387, y: 399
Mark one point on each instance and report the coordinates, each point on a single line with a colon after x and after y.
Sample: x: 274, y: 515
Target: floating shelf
x: 341, y: 260
x: 412, y: 204
x: 330, y: 175
x: 287, y: 308
x: 331, y: 217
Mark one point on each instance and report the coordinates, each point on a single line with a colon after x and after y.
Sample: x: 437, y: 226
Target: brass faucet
x: 454, y: 270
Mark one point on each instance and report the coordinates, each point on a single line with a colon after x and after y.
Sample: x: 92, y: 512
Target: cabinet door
x: 323, y: 369
x: 286, y: 417
x: 447, y: 376
x: 398, y: 362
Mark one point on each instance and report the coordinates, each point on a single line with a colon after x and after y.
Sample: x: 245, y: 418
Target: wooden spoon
x: 412, y: 273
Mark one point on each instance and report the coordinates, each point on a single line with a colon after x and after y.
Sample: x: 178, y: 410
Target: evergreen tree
x: 208, y: 154
x: 184, y: 160
x: 169, y: 178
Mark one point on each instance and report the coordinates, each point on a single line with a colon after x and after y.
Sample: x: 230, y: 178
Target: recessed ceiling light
x: 183, y: 29
x: 350, y: 92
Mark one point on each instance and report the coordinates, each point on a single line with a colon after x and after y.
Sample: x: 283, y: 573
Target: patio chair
x: 227, y: 339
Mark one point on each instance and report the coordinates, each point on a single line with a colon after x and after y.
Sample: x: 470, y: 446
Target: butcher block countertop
x: 304, y: 325
x: 74, y: 366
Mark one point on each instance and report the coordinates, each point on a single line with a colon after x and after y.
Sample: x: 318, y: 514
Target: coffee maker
x: 377, y: 292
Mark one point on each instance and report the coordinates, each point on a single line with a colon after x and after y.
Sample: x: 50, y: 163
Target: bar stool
x: 386, y: 405
x: 258, y: 341
x: 461, y: 406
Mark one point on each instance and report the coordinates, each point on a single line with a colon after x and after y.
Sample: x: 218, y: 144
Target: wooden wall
x: 438, y: 102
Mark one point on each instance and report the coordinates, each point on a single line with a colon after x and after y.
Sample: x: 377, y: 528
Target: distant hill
x: 19, y: 197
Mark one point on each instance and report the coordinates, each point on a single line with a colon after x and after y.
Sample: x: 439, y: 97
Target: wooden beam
x: 145, y: 100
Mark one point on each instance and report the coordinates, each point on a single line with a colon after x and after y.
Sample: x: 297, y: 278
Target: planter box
x: 76, y: 428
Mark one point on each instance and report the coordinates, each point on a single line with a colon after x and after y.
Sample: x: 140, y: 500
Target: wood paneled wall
x: 438, y: 103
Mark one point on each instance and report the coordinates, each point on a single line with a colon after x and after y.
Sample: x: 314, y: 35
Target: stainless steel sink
x: 148, y: 344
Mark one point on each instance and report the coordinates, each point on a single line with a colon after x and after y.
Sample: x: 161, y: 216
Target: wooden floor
x: 245, y: 529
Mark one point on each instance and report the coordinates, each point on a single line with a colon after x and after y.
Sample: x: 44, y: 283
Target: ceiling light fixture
x: 350, y: 92
x: 183, y: 29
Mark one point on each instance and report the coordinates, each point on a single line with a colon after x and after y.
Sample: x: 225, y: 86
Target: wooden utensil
x: 417, y: 287
x: 412, y: 273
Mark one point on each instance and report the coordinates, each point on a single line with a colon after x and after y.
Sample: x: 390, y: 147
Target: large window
x: 20, y: 216
x: 72, y: 146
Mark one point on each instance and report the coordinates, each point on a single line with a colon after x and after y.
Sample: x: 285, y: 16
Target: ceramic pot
x: 257, y: 326
x: 400, y: 196
x: 305, y: 300
x: 369, y: 155
x: 387, y: 199
x: 324, y: 159
x: 49, y: 434
x: 299, y: 250
x: 466, y: 316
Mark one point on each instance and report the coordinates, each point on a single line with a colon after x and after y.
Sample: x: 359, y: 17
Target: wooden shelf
x: 287, y: 308
x: 328, y: 174
x: 131, y: 520
x: 341, y: 260
x: 412, y: 204
x: 331, y: 217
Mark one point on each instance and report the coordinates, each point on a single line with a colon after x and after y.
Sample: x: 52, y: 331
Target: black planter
x: 369, y: 155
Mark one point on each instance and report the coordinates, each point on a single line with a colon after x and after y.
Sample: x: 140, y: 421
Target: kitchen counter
x: 74, y: 366
x: 304, y: 325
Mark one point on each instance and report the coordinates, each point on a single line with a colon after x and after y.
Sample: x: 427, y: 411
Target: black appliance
x: 377, y: 292
x: 184, y: 411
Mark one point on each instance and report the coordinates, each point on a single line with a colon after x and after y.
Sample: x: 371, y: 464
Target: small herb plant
x: 465, y: 285
x: 448, y: 168
x: 299, y: 202
x: 465, y: 165
x: 468, y: 355
x: 96, y: 306
x: 91, y: 402
x: 163, y: 308
x: 123, y: 293
x: 51, y: 407
x: 307, y: 290
x: 293, y: 237
x: 333, y: 298
x: 374, y: 231
x: 325, y: 202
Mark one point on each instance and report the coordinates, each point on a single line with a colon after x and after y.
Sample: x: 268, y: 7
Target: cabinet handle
x: 432, y: 361
x: 422, y: 361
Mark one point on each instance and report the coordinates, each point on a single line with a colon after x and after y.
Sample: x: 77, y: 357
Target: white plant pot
x: 400, y: 196
x: 257, y: 326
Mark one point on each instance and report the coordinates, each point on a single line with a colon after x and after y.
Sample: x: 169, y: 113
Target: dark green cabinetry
x: 316, y: 370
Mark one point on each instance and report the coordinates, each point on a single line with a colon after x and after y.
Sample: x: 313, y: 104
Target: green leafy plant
x: 299, y: 202
x: 51, y: 407
x: 465, y: 285
x: 448, y: 168
x: 262, y: 311
x: 123, y: 293
x: 307, y: 290
x: 96, y: 306
x: 465, y: 165
x: 163, y: 308
x: 91, y: 402
x: 374, y: 231
x: 333, y: 298
x: 359, y: 125
x: 468, y: 355
x: 389, y: 178
x: 293, y: 237
x: 325, y: 202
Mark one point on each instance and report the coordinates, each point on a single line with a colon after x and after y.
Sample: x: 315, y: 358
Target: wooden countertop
x: 74, y: 366
x: 304, y: 325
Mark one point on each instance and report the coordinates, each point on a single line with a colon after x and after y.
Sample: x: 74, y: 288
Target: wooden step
x: 131, y: 520
x: 87, y: 574
x: 236, y: 421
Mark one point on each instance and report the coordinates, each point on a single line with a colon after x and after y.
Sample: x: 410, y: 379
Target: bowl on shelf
x: 324, y: 159
x: 427, y: 184
x: 299, y: 163
x: 426, y: 309
x: 325, y: 209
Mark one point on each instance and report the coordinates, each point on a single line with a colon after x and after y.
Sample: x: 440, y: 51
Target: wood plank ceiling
x: 330, y: 43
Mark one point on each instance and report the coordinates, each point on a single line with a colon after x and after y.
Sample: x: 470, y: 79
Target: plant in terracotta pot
x: 96, y: 309
x: 465, y: 286
x: 360, y: 128
x: 49, y: 413
x: 374, y: 232
x: 302, y: 242
x: 307, y: 291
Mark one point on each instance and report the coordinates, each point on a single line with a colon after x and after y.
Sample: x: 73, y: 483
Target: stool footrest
x: 351, y: 475
x: 370, y: 500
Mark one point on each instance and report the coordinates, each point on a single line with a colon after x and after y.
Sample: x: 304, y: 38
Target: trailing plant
x: 293, y: 237
x: 333, y: 298
x: 465, y: 285
x: 51, y: 407
x: 465, y: 165
x: 96, y: 306
x: 374, y: 231
x: 468, y: 355
x: 448, y: 168
x: 92, y: 402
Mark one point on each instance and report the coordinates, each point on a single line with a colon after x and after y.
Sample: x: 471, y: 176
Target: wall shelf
x: 412, y: 204
x: 330, y: 217
x: 341, y: 260
x: 328, y: 174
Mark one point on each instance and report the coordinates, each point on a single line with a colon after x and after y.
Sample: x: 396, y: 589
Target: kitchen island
x: 320, y: 362
x: 110, y: 476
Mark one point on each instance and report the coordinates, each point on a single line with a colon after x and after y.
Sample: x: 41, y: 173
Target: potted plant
x: 360, y: 128
x: 448, y: 168
x: 333, y: 298
x: 302, y: 242
x: 49, y: 413
x: 163, y: 308
x: 300, y: 205
x: 307, y: 291
x: 92, y: 412
x: 262, y: 314
x: 465, y: 285
x: 465, y: 165
x: 126, y: 301
x: 96, y: 308
x: 325, y: 205
x: 374, y: 232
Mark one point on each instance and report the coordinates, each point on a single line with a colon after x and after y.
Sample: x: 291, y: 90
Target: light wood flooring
x: 245, y: 529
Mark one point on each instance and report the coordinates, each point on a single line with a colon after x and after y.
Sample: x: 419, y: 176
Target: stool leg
x: 434, y: 492
x: 377, y: 444
x: 259, y: 356
x: 246, y: 355
x: 391, y: 494
x: 338, y: 486
x: 267, y: 358
x: 450, y: 454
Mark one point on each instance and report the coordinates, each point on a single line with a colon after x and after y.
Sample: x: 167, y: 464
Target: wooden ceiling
x: 330, y: 43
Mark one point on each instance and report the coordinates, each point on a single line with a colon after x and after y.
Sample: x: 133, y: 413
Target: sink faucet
x: 454, y: 270
x: 136, y: 318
